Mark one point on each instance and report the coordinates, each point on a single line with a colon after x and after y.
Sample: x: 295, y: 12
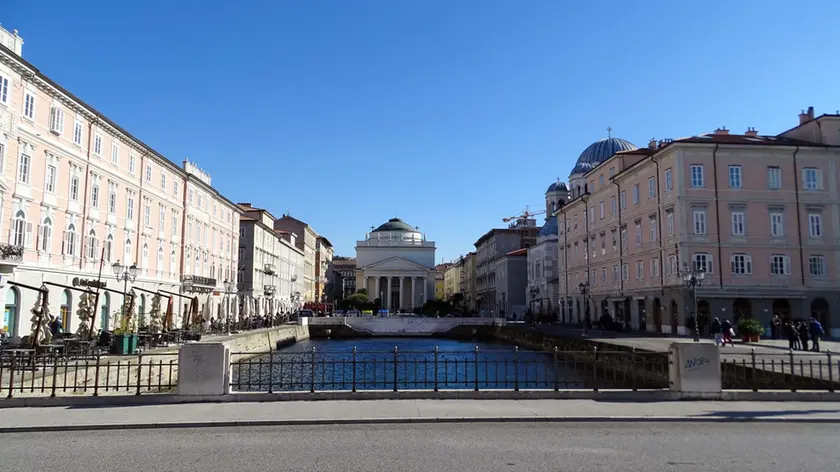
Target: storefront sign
x: 198, y: 280
x: 90, y: 283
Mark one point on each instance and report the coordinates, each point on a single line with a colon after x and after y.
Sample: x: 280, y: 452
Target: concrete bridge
x: 394, y: 325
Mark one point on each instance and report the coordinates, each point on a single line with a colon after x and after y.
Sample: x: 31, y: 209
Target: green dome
x: 395, y: 225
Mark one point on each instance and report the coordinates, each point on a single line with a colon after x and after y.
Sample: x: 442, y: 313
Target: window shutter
x: 732, y: 265
x: 819, y: 179
x: 28, y: 238
x: 749, y: 264
x: 39, y: 237
x: 64, y: 245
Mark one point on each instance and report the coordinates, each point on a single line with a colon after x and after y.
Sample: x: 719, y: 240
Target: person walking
x: 802, y: 329
x: 726, y: 327
x: 817, y: 331
x: 717, y: 331
x: 792, y: 335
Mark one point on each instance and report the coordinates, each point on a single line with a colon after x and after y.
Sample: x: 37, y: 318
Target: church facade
x: 395, y: 264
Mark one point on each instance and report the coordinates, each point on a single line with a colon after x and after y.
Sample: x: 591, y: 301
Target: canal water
x: 404, y: 364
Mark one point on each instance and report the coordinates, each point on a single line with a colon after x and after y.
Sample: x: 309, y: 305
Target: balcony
x: 269, y: 290
x: 269, y: 269
x: 10, y: 256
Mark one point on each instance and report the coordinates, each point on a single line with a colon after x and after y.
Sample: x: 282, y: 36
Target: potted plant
x: 750, y: 330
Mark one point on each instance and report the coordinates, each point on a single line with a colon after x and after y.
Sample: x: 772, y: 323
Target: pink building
x: 760, y: 215
x: 79, y: 193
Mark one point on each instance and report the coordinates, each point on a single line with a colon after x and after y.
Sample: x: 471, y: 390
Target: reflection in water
x: 403, y: 363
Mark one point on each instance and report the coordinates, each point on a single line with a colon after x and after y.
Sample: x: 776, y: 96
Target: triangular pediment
x: 395, y: 263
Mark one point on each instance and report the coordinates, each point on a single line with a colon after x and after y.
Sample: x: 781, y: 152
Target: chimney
x: 805, y: 117
x: 652, y: 143
x: 722, y: 131
x: 751, y: 132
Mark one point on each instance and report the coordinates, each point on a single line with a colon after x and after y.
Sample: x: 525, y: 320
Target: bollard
x: 754, y: 381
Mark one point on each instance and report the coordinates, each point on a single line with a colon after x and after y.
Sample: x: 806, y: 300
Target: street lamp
x: 229, y: 287
x: 126, y: 274
x: 693, y: 278
x: 584, y: 290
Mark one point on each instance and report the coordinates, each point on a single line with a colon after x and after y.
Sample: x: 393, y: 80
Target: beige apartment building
x: 759, y: 215
x: 452, y: 279
x: 79, y: 194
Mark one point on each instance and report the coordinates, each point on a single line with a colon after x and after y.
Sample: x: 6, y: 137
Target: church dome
x: 600, y: 151
x: 557, y: 187
x: 550, y: 227
x: 395, y: 225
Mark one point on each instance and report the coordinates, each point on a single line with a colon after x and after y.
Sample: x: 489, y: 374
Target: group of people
x: 722, y: 331
x: 798, y: 333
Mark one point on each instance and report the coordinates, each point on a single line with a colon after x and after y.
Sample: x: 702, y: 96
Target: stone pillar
x: 414, y: 296
x: 388, y: 292
x: 204, y: 369
x: 376, y: 292
x: 400, y: 300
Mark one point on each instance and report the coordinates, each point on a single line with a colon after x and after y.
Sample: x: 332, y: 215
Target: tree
x: 357, y: 301
x: 458, y: 301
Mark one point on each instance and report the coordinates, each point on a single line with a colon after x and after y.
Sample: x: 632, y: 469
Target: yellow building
x: 440, y: 271
x: 452, y: 280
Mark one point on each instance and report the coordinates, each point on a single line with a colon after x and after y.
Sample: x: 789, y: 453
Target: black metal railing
x: 792, y: 370
x: 447, y: 370
x: 10, y: 252
x: 29, y: 374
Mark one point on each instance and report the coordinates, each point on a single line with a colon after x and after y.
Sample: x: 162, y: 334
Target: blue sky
x: 450, y: 114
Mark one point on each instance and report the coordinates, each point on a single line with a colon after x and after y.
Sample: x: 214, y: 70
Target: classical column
x: 376, y: 293
x: 388, y: 290
x: 400, y: 302
x: 414, y: 297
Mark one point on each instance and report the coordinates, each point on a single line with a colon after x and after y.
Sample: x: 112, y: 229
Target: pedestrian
x: 717, y: 331
x: 802, y: 329
x: 792, y: 335
x: 816, y: 329
x: 726, y: 328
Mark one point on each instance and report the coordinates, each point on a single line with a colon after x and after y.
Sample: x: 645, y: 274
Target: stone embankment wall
x: 152, y: 371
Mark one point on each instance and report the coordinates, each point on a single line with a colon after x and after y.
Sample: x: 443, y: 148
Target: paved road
x: 424, y: 448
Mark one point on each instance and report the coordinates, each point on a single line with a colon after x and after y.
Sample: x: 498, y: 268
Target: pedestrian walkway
x: 403, y: 411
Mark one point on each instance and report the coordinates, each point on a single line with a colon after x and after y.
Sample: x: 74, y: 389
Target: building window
x: 699, y: 222
x: 652, y: 187
x: 601, y: 181
x: 615, y: 273
x: 624, y: 236
x: 774, y: 177
x: 669, y: 180
x: 734, y: 176
x: 174, y: 224
x: 592, y: 214
x: 20, y: 230
x: 703, y: 261
x: 777, y: 227
x: 163, y: 180
x: 815, y: 225
x: 23, y: 168
x: 652, y: 227
x: 161, y: 217
x: 741, y: 264
x: 622, y: 200
x: 148, y: 173
x: 604, y: 272
x: 697, y: 176
x: 640, y: 270
x: 190, y: 196
x: 94, y: 194
x: 129, y: 208
x: 93, y: 246
x: 112, y: 199
x: 97, y: 144
x: 625, y: 272
x: 672, y: 265
x: 74, y: 188
x: 29, y: 106
x: 115, y: 154
x: 49, y: 184
x: 669, y: 219
x: 816, y: 266
x: 638, y: 234
x: 45, y: 236
x: 654, y: 267
x: 603, y: 210
x: 779, y: 264
x: 612, y: 205
x: 175, y: 186
x: 636, y: 194
x: 132, y: 163
x: 4, y: 90
x: 147, y: 215
x: 613, y: 232
x: 738, y: 228
x: 69, y: 244
x: 56, y: 120
x: 813, y: 178
x: 160, y: 260
x: 144, y: 262
x: 77, y: 133
x: 109, y: 246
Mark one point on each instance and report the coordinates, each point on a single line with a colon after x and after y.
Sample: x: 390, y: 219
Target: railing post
x: 633, y: 368
x: 312, y: 384
x: 55, y: 376
x: 516, y: 368
x: 792, y: 373
x: 395, y: 368
x: 754, y: 381
x: 556, y: 377
x: 12, y: 375
x: 96, y: 375
x: 271, y: 372
x: 595, y: 369
x: 830, y: 372
x: 436, y: 368
x: 139, y: 371
x: 354, y: 369
x: 475, y: 368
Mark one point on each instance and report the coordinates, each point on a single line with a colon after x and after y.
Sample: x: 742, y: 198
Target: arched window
x: 19, y: 229
x: 160, y: 260
x: 213, y: 271
x: 45, y: 235
x: 197, y: 263
x: 93, y: 246
x: 109, y: 246
x: 127, y: 256
x: 70, y: 241
x: 188, y: 259
x: 172, y: 262
x: 66, y: 309
x: 10, y: 314
x: 145, y: 261
x: 105, y: 312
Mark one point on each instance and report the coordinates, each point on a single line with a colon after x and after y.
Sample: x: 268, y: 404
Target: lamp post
x: 693, y: 278
x: 229, y: 287
x: 584, y: 290
x: 126, y: 274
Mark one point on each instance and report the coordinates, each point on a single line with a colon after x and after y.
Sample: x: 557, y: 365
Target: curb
x: 411, y: 420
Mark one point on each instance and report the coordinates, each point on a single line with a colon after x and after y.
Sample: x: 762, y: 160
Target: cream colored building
x: 396, y: 264
x: 452, y: 279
